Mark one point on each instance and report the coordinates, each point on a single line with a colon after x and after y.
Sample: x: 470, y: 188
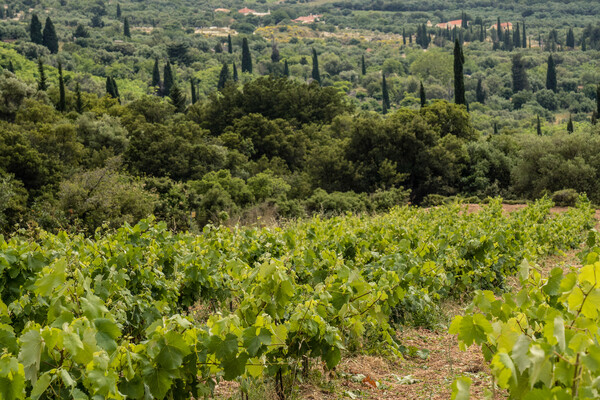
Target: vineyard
x: 146, y: 313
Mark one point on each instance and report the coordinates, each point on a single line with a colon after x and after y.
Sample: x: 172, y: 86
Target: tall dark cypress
x: 126, y: 30
x: 316, y: 75
x: 422, y: 95
x: 524, y: 41
x: 551, y: 83
x: 118, y: 11
x: 519, y: 74
x: 385, y: 95
x: 78, y: 100
x: 286, y: 69
x: 116, y: 89
x: 570, y: 127
x: 463, y: 23
x: 275, y: 57
x: 156, y: 75
x: 499, y: 30
x: 42, y: 83
x: 363, y: 67
x: 168, y: 79
x: 459, y: 78
x: 229, y: 45
x: 62, y: 100
x: 570, y: 39
x: 246, y: 57
x: 598, y: 100
x: 235, y: 73
x: 11, y: 67
x: 49, y: 38
x: 177, y: 98
x: 517, y: 36
x: 539, y: 126
x: 223, y: 76
x: 495, y: 128
x: 583, y: 44
x: 480, y: 92
x: 193, y: 91
x: 403, y: 36
x: 35, y: 30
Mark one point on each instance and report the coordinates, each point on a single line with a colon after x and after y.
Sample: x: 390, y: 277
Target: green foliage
x: 49, y: 37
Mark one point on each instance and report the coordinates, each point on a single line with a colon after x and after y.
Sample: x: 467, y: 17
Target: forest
x: 204, y: 114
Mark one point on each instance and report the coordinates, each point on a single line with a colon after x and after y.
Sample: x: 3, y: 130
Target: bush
x: 565, y: 197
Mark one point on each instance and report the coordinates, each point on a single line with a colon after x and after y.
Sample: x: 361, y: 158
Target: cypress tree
x: 177, y: 98
x: 246, y: 57
x: 118, y: 11
x: 235, y: 73
x: 116, y: 89
x: 551, y: 83
x: 519, y: 74
x: 480, y: 93
x: 193, y: 90
x: 499, y: 30
x: 422, y: 95
x: 156, y: 75
x: 126, y: 30
x: 229, y: 44
x: 594, y: 118
x: 315, y: 69
x: 35, y: 30
x: 168, y: 79
x: 583, y: 44
x: 363, y: 68
x: 517, y: 36
x: 62, y: 101
x: 49, y: 38
x: 404, y: 36
x: 459, y: 79
x: 385, y: 95
x: 570, y: 127
x: 463, y: 23
x: 524, y: 42
x: 110, y: 90
x: 11, y: 67
x: 286, y: 70
x: 598, y: 100
x: 508, y: 44
x: 78, y: 100
x: 42, y: 84
x: 275, y: 57
x: 495, y: 128
x: 539, y: 126
x: 482, y: 33
x: 570, y: 39
x: 223, y: 76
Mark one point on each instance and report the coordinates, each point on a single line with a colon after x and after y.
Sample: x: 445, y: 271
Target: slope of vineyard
x: 109, y: 316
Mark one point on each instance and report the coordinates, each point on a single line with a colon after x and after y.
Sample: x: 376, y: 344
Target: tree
x: 156, y: 75
x: 126, y: 30
x: 223, y: 76
x: 11, y: 67
x: 583, y: 44
x: 464, y: 23
x: 598, y: 100
x: 78, y: 100
x: 118, y: 11
x: 246, y: 57
x: 62, y: 101
x: 422, y: 95
x: 42, y: 84
x: 110, y: 88
x: 480, y: 92
x: 551, y: 83
x: 499, y: 30
x: 229, y: 45
x: 193, y: 91
x: 35, y: 30
x: 570, y: 42
x: 570, y: 127
x: 81, y: 32
x: 495, y: 128
x: 315, y: 69
x: 235, y: 73
x: 177, y: 98
x: 517, y: 36
x: 49, y: 39
x: 539, y: 126
x: 168, y: 79
x: 385, y: 95
x: 524, y: 42
x: 275, y: 53
x: 459, y: 78
x: 363, y: 68
x: 519, y: 74
x: 286, y: 69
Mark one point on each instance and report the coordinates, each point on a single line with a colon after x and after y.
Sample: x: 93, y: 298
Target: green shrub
x: 565, y: 197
